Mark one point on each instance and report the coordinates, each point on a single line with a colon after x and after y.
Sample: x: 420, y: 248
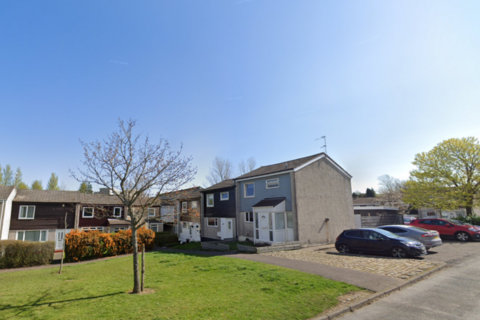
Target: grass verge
x: 186, y: 287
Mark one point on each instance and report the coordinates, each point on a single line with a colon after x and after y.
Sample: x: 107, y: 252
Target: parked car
x: 429, y: 238
x: 378, y: 241
x: 464, y: 223
x: 407, y: 220
x: 449, y: 228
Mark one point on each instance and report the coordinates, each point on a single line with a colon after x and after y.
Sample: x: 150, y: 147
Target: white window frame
x: 245, y: 190
x: 156, y: 225
x: 117, y: 216
x: 184, y: 207
x: 92, y: 229
x: 26, y: 213
x: 221, y: 196
x: 247, y: 217
x: 150, y: 210
x: 93, y: 212
x: 213, y: 202
x: 215, y: 222
x: 116, y: 229
x: 194, y: 204
x: 274, y: 181
x: 40, y: 240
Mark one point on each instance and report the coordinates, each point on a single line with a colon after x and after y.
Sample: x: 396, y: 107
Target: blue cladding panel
x: 261, y: 192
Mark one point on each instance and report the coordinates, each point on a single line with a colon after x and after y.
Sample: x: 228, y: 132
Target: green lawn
x: 198, y: 246
x: 187, y: 287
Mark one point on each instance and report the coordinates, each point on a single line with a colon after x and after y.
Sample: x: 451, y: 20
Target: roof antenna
x: 325, y: 141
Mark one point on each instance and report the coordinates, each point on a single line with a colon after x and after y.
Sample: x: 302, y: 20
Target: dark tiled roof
x: 270, y: 202
x: 185, y: 194
x: 279, y: 167
x: 220, y: 185
x: 5, y: 192
x: 47, y: 196
x: 117, y: 222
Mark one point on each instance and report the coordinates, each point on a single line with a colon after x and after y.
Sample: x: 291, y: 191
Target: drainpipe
x: 328, y: 233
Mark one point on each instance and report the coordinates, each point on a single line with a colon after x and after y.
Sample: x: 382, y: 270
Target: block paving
x: 386, y: 266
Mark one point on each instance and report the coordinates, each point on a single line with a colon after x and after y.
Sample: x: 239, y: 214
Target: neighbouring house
x: 218, y: 215
x: 7, y: 193
x: 437, y: 213
x: 307, y: 200
x: 369, y: 213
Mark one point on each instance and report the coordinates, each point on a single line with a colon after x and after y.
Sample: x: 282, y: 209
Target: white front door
x: 263, y: 226
x: 59, y: 239
x: 226, y: 228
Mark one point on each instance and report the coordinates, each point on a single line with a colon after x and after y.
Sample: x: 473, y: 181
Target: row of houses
x: 306, y: 200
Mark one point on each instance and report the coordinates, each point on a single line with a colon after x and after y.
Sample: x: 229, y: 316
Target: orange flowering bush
x: 84, y: 245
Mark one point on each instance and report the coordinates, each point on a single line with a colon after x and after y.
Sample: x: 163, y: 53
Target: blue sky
x: 383, y: 80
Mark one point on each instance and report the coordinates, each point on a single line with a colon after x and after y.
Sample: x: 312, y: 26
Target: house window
x: 40, y: 235
x: 249, y: 190
x: 87, y: 212
x: 223, y: 196
x: 117, y: 212
x: 194, y: 204
x: 151, y: 212
x: 184, y: 207
x: 118, y: 229
x: 210, y: 200
x: 154, y: 227
x: 248, y: 216
x: 184, y: 225
x: 212, y: 222
x: 272, y: 183
x: 92, y: 229
x: 26, y: 212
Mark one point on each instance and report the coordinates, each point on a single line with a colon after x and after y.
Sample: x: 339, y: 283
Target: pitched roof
x: 220, y: 185
x: 5, y: 192
x: 184, y: 194
x: 47, y: 196
x: 269, y: 202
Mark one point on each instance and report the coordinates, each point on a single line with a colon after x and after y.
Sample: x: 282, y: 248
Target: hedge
x: 84, y: 245
x: 473, y: 219
x: 164, y: 238
x: 17, y: 254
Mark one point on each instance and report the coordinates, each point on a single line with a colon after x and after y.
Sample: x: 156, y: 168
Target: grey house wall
x: 322, y: 191
x: 261, y: 192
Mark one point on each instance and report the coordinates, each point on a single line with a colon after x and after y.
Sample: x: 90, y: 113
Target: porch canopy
x: 272, y: 223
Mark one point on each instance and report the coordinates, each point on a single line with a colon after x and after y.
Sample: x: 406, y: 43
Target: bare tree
x: 137, y: 172
x: 246, y: 167
x: 221, y: 170
x: 391, y: 193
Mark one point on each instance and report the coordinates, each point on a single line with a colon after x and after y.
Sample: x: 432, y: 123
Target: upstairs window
x: 223, y: 196
x: 87, y: 212
x: 272, y: 183
x: 249, y: 190
x: 26, y: 212
x: 210, y: 200
x: 194, y: 204
x: 184, y: 207
x: 117, y: 212
x: 151, y: 212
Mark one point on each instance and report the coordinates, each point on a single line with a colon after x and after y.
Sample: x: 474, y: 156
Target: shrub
x: 473, y: 219
x: 164, y: 238
x: 16, y: 254
x: 84, y: 245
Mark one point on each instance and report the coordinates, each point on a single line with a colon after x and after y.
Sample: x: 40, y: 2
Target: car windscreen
x: 387, y: 233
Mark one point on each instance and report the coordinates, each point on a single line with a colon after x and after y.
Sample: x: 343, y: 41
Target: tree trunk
x: 136, y: 275
x: 143, y: 267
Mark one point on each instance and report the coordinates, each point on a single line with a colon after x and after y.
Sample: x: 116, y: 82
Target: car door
x: 375, y: 242
x: 444, y: 227
x: 354, y: 239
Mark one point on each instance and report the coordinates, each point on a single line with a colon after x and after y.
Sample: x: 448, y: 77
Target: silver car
x: 429, y: 238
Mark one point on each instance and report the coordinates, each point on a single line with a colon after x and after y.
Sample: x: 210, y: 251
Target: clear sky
x: 382, y: 80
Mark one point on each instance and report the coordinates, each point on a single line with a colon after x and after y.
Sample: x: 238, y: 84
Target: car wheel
x: 398, y: 252
x: 462, y: 236
x: 343, y: 248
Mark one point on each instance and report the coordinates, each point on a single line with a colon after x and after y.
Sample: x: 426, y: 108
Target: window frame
x: 245, y: 189
x: 26, y: 213
x: 213, y: 200
x: 156, y: 226
x: 228, y: 196
x: 277, y: 183
x: 93, y: 229
x: 184, y: 206
x: 25, y: 231
x: 83, y: 212
x: 194, y: 204
x: 249, y: 217
x: 117, y: 229
x: 215, y: 224
x: 149, y: 210
x: 117, y: 216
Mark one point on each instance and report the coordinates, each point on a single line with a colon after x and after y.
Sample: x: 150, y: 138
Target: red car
x: 449, y: 228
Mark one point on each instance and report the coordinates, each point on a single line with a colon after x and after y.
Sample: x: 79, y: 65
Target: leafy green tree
x: 446, y: 177
x: 1, y: 175
x: 53, y: 182
x: 18, y: 178
x: 7, y: 176
x: 370, y: 193
x: 85, y: 187
x: 37, y: 185
x: 22, y: 186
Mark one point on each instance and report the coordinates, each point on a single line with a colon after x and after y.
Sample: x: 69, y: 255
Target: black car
x: 378, y: 241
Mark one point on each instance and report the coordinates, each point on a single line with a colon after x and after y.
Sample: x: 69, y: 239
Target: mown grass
x: 198, y: 246
x: 186, y: 287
